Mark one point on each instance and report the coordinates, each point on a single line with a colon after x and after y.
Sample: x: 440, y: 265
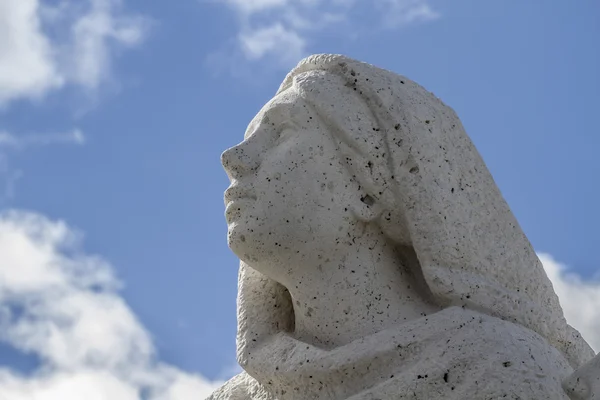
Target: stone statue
x: 379, y: 259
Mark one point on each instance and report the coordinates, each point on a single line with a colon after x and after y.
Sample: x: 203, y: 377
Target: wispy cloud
x: 48, y: 45
x: 8, y: 140
x: 274, y: 39
x: 281, y: 31
x: 248, y: 7
x: 64, y: 306
x: 403, y: 12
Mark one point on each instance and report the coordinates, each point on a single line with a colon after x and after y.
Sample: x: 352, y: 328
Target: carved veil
x: 471, y: 249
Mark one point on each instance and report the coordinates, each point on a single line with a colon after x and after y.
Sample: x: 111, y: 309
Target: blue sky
x: 113, y: 115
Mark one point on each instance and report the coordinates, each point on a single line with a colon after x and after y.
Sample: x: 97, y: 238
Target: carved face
x: 290, y: 197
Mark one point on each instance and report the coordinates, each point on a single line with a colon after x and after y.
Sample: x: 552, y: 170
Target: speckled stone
x: 379, y: 259
x: 584, y: 383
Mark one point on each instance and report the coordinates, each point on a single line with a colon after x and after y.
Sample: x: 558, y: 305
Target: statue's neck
x: 359, y: 293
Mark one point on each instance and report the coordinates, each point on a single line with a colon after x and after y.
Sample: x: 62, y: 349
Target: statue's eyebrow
x: 277, y: 114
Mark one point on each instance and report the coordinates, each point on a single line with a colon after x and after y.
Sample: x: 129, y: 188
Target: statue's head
x: 302, y: 178
x: 344, y: 143
x: 292, y: 194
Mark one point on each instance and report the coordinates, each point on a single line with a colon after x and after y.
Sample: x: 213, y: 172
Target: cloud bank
x: 47, y: 45
x: 579, y: 299
x: 63, y: 306
x: 281, y: 31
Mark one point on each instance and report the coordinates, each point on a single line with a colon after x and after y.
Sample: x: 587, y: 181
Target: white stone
x: 378, y: 258
x: 584, y: 383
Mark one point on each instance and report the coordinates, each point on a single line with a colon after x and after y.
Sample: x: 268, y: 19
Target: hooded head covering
x: 442, y: 199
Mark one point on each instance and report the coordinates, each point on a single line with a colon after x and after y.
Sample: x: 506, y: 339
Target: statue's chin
x: 236, y: 240
x: 242, y: 243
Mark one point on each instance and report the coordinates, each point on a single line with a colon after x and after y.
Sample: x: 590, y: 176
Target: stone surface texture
x: 379, y: 259
x: 585, y: 382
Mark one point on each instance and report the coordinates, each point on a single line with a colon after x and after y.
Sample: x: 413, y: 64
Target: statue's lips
x: 235, y: 193
x: 235, y: 207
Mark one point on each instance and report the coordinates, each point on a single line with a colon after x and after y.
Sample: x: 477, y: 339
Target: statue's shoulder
x: 584, y: 383
x: 241, y: 387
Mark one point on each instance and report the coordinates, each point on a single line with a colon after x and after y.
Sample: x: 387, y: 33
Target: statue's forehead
x: 279, y: 109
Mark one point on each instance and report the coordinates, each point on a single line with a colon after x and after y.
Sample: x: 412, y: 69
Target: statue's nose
x: 239, y: 160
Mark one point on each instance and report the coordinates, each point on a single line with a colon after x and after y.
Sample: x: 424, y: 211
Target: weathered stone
x: 379, y: 259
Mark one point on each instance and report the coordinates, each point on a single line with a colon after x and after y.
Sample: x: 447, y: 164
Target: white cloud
x: 284, y: 29
x: 26, y: 66
x: 273, y: 39
x: 579, y: 299
x: 63, y: 305
x: 402, y: 12
x: 47, y: 45
x: 92, y: 33
x: 183, y: 386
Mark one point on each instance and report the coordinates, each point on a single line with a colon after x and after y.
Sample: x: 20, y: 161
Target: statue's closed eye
x: 285, y: 130
x: 284, y: 134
